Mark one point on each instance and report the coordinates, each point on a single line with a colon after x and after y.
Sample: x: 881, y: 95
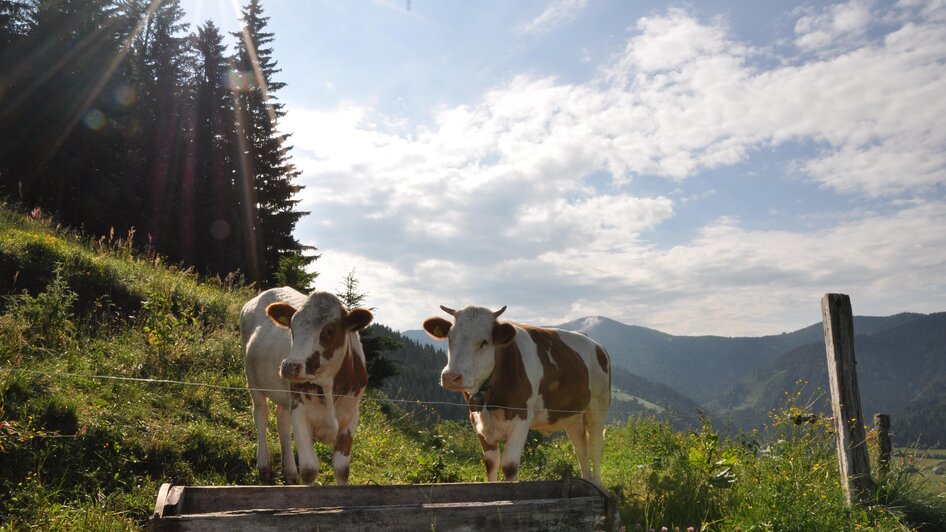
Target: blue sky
x: 699, y: 168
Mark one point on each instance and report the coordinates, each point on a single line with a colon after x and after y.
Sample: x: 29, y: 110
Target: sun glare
x: 224, y: 13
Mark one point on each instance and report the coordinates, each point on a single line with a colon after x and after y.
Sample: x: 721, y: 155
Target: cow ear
x: 357, y: 319
x: 503, y: 333
x: 437, y: 327
x: 281, y: 314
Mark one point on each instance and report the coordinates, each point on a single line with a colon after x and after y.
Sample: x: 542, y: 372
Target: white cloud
x: 489, y: 203
x: 597, y: 222
x: 558, y: 13
x: 835, y: 26
x: 734, y: 280
x: 703, y: 106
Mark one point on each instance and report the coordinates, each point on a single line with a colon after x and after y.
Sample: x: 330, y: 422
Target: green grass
x: 920, y: 463
x: 83, y: 453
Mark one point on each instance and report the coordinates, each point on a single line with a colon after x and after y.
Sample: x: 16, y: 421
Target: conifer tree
x: 55, y: 132
x: 373, y: 342
x: 218, y: 242
x: 163, y: 45
x: 16, y: 20
x: 271, y: 173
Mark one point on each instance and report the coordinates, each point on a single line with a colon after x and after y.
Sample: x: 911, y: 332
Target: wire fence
x: 695, y: 416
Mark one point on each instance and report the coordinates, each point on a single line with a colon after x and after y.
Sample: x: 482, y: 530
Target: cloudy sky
x: 698, y: 168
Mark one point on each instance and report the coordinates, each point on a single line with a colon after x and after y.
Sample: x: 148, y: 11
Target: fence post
x: 845, y: 398
x: 882, y: 428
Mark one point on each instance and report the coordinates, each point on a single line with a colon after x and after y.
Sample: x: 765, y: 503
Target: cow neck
x: 352, y: 376
x: 507, y: 387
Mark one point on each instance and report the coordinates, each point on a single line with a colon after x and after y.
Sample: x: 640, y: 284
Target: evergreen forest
x: 118, y: 118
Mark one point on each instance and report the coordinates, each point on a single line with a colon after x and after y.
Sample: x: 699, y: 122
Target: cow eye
x: 483, y: 344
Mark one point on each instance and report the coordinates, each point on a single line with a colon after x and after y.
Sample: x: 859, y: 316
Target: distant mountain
x: 699, y: 367
x: 422, y: 338
x: 901, y: 370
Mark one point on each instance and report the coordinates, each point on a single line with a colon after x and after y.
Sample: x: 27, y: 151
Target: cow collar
x: 480, y: 400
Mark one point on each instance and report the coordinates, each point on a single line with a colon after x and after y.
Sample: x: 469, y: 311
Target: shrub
x: 47, y: 318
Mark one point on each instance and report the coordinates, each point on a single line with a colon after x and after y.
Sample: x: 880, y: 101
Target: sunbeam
x: 78, y: 112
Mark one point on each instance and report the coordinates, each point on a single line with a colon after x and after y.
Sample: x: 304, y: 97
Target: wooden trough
x: 568, y: 504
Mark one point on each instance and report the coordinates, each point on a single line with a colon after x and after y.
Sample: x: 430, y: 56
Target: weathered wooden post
x: 845, y: 397
x: 882, y: 428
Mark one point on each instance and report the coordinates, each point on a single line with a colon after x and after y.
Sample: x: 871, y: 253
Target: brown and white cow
x: 516, y: 377
x: 304, y: 354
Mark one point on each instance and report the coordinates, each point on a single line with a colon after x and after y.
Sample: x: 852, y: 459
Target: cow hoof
x: 308, y: 475
x: 510, y: 471
x: 266, y: 476
x: 292, y: 479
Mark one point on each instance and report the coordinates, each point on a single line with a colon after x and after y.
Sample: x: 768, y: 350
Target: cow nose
x: 289, y: 369
x: 451, y: 381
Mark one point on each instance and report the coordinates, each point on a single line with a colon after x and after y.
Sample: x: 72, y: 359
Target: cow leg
x: 284, y: 428
x: 261, y: 417
x: 490, y: 459
x: 331, y: 418
x: 594, y: 426
x: 341, y: 458
x: 308, y: 461
x: 512, y: 451
x: 576, y: 433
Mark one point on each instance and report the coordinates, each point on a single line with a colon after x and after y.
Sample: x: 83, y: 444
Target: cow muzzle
x: 452, y: 381
x: 291, y: 370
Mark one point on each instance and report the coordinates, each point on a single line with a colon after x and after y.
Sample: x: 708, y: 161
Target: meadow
x: 87, y: 436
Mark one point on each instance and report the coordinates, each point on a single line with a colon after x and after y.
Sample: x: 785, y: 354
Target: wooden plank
x: 882, y: 428
x: 845, y: 397
x: 582, y: 513
x: 209, y: 499
x: 169, y: 501
x: 161, y: 501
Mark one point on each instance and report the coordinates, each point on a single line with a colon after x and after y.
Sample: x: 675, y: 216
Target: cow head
x: 471, y: 342
x: 319, y: 332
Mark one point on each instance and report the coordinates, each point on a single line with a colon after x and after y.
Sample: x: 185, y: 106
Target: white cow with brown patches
x: 304, y: 354
x: 515, y: 377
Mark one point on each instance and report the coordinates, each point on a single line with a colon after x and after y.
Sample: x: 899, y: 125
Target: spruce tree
x: 163, y: 45
x: 15, y: 17
x: 219, y: 242
x: 271, y: 173
x: 55, y: 114
x: 374, y: 343
x: 16, y: 21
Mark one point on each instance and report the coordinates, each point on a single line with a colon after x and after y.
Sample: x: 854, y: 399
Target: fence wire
x: 695, y: 416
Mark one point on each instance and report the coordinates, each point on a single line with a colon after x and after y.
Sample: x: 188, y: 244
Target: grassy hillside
x: 82, y: 452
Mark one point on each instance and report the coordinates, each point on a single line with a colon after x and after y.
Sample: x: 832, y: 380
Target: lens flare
x: 125, y: 95
x: 94, y: 119
x: 240, y: 81
x: 219, y: 229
